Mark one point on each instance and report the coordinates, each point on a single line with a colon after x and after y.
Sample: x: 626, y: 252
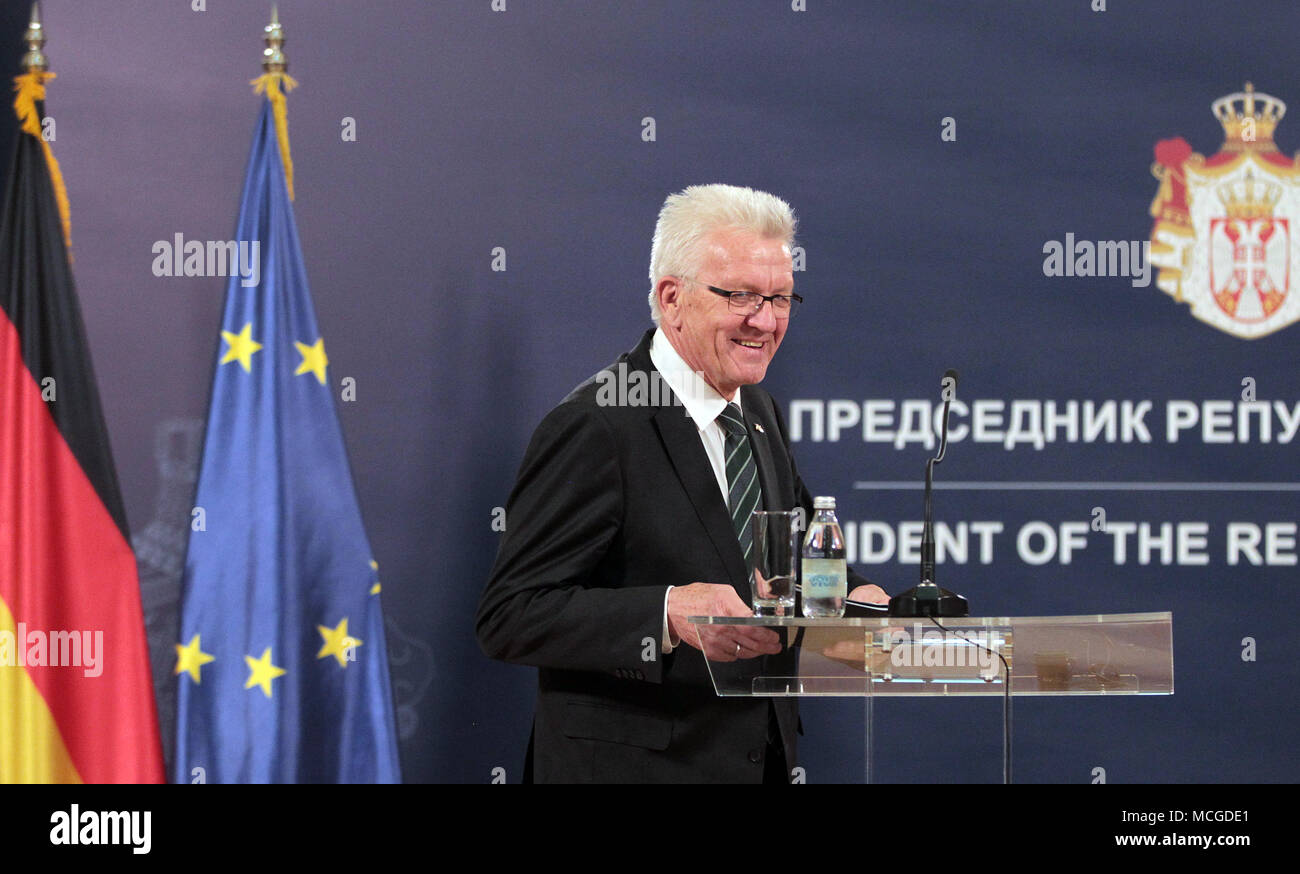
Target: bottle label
x: 825, y: 578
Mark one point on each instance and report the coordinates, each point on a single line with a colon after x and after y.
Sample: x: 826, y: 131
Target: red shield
x: 1250, y: 266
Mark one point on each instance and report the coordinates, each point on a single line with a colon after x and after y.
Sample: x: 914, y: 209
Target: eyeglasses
x: 750, y: 302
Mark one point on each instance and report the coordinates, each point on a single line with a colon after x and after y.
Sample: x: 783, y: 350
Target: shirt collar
x: 702, y: 402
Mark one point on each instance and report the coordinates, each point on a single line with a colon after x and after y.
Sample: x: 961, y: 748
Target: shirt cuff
x: 666, y: 645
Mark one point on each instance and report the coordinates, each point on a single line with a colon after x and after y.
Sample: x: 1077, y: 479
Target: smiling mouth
x: 748, y: 344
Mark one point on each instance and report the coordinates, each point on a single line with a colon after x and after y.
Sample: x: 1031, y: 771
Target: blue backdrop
x: 931, y: 150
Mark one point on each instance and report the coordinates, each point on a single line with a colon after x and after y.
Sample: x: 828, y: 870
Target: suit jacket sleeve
x: 553, y: 600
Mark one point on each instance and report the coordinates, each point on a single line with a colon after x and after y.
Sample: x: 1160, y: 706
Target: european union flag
x: 282, y: 664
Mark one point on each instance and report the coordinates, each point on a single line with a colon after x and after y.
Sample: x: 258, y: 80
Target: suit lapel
x: 762, y: 454
x: 681, y: 440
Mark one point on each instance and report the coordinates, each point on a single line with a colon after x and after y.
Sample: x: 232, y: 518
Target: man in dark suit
x: 630, y: 514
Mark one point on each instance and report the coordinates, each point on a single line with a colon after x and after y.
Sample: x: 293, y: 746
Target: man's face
x: 731, y: 349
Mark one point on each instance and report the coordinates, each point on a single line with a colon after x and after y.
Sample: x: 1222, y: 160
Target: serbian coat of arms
x: 1222, y: 239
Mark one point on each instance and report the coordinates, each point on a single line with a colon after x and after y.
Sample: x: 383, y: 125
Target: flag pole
x: 274, y: 78
x: 29, y: 88
x: 35, y: 61
x: 273, y: 57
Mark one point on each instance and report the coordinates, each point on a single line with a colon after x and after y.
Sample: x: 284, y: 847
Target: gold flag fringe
x: 30, y: 88
x: 269, y: 84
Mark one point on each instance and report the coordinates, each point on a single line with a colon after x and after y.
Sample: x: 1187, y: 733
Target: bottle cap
x: 824, y: 503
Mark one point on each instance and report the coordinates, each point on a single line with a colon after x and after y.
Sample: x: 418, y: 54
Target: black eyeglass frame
x: 763, y: 298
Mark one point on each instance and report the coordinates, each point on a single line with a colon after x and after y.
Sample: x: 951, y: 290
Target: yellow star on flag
x: 242, y: 347
x: 313, y: 359
x: 262, y: 672
x: 338, y: 643
x: 189, y: 659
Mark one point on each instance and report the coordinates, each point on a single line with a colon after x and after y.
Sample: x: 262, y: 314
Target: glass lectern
x: 1118, y: 654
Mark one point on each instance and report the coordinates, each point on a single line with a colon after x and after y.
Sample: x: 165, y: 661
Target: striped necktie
x: 743, y: 491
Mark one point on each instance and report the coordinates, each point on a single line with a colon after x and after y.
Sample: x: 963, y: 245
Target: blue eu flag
x: 282, y: 664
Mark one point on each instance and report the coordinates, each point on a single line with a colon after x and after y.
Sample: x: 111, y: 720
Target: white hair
x: 692, y: 214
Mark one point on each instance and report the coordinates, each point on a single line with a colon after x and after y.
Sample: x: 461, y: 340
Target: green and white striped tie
x: 743, y: 491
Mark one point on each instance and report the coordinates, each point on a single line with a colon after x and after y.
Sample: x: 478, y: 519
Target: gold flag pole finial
x: 29, y: 90
x: 274, y: 82
x: 273, y: 59
x: 35, y: 61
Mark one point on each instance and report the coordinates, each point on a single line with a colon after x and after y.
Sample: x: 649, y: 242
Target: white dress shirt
x: 703, y: 404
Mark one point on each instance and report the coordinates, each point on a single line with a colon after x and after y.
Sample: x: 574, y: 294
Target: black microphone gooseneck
x: 927, y: 599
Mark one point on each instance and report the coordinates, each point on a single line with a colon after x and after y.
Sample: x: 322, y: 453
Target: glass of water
x: 771, y: 580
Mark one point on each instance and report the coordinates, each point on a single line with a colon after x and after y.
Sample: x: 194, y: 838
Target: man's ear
x: 670, y: 290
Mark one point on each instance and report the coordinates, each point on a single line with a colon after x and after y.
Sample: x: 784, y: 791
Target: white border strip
x: 907, y: 485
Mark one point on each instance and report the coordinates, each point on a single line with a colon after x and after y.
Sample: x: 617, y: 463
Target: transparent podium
x: 1119, y: 654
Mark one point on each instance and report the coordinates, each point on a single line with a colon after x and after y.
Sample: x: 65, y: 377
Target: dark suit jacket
x: 612, y: 505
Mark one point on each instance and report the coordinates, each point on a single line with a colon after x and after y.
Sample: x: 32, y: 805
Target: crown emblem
x: 1247, y: 198
x: 1226, y: 237
x: 1249, y: 119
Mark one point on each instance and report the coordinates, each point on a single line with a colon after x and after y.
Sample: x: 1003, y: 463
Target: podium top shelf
x: 1091, y: 654
x: 949, y: 621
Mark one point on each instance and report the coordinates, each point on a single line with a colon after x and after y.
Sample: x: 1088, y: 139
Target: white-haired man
x: 628, y: 516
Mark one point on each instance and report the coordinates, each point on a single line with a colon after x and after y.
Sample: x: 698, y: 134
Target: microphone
x: 927, y: 599
x: 949, y: 385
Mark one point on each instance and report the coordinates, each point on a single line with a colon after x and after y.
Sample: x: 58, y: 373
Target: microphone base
x: 928, y: 599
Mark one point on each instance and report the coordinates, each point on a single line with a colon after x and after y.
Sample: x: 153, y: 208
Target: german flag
x: 76, y: 699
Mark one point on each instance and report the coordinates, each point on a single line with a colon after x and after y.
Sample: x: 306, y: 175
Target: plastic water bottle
x: 824, y: 569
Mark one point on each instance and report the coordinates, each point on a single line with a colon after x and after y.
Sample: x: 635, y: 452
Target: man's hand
x: 869, y: 595
x: 721, y: 643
